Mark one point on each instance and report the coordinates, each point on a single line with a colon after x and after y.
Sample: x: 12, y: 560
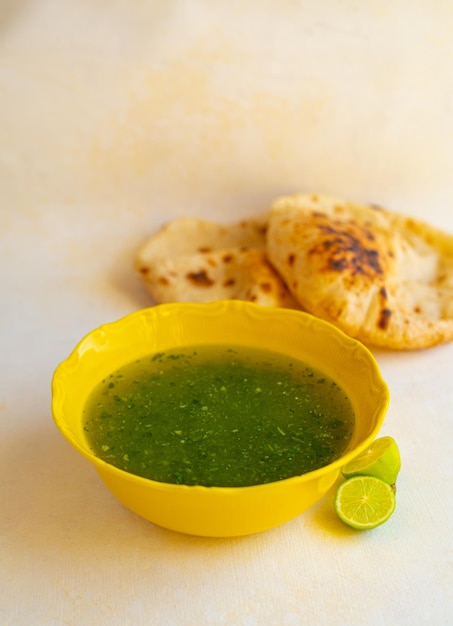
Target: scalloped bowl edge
x: 219, y: 511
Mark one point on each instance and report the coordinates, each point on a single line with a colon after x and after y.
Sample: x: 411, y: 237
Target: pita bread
x: 191, y: 260
x: 383, y: 278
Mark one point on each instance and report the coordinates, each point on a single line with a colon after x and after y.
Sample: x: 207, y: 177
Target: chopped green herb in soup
x: 223, y: 416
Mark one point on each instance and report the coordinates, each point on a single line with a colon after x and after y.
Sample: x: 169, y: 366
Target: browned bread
x: 192, y: 260
x: 383, y: 278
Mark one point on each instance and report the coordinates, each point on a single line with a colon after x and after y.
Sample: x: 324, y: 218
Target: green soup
x: 223, y: 416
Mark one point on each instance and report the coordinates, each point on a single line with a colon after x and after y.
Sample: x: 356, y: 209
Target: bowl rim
x: 214, y: 308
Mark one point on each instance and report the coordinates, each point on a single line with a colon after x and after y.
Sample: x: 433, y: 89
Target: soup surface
x: 218, y: 416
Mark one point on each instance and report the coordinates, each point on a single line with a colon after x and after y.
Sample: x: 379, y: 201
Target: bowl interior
x: 164, y: 327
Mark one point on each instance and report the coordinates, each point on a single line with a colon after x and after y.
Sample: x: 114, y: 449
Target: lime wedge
x: 364, y: 502
x: 381, y: 459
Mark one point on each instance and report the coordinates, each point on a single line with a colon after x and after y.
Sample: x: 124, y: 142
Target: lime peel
x: 381, y: 460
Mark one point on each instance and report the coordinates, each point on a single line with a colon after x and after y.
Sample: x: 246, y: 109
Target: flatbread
x: 192, y: 260
x: 383, y: 278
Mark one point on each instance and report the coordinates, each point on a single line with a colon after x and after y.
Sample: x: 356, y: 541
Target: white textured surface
x: 116, y: 116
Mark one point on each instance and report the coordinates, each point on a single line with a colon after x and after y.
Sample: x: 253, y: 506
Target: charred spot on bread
x: 200, y: 279
x: 384, y: 319
x: 346, y: 248
x: 266, y: 287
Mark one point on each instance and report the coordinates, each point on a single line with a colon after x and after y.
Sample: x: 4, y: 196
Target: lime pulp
x: 364, y: 502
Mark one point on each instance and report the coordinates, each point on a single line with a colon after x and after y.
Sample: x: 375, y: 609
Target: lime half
x: 381, y: 459
x: 364, y: 502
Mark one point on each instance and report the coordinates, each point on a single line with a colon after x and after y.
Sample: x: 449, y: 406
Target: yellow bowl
x: 219, y: 511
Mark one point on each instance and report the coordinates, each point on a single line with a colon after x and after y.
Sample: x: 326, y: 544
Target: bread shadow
x: 125, y: 279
